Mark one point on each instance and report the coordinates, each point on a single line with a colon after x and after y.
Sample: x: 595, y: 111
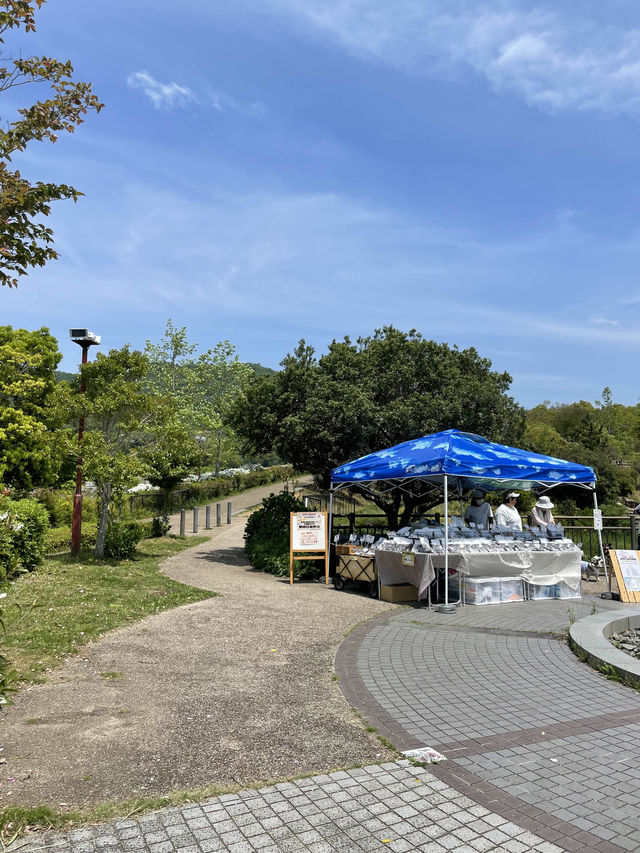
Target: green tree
x: 26, y: 241
x: 29, y: 452
x: 361, y: 397
x: 121, y: 419
x: 220, y: 378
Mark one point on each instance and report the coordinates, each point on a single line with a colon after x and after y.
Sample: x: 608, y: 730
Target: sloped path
x: 232, y: 690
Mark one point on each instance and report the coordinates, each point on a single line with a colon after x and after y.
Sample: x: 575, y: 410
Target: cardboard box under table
x: 405, y: 568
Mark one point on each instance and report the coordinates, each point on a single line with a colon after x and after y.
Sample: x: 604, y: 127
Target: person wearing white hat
x: 541, y: 513
x: 479, y: 511
x: 507, y: 515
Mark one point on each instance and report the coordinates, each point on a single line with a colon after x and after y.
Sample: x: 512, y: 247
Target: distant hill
x: 63, y: 376
x: 261, y: 370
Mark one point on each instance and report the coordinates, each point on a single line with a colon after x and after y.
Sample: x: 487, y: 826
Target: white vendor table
x: 537, y: 567
x: 391, y: 570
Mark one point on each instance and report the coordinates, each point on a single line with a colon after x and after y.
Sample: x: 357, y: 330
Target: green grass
x: 50, y: 613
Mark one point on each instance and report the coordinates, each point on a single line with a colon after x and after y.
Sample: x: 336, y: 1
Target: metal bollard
x: 183, y: 521
x: 195, y: 519
x: 207, y: 518
x: 229, y: 513
x: 218, y: 515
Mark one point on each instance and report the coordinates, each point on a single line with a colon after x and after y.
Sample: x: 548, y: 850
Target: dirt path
x: 234, y: 689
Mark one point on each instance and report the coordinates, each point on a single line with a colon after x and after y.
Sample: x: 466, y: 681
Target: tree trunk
x: 105, y: 500
x: 218, y: 450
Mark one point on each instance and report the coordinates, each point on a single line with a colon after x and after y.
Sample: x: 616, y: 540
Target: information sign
x: 308, y: 531
x: 309, y: 538
x: 597, y: 519
x: 626, y: 567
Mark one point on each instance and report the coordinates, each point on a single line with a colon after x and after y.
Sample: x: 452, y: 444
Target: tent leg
x: 446, y: 607
x: 604, y: 562
x: 330, y: 526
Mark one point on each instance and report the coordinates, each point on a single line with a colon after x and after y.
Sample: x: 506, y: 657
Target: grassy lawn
x: 50, y: 613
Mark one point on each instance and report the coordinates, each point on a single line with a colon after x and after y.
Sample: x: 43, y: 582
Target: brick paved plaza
x: 542, y: 752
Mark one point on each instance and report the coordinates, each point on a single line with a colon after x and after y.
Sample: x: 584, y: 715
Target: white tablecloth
x: 539, y: 567
x: 391, y: 570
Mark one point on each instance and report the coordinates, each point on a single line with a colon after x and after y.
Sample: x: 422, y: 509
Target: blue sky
x: 266, y: 170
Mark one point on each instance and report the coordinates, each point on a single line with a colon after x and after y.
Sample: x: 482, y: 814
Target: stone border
x: 589, y: 640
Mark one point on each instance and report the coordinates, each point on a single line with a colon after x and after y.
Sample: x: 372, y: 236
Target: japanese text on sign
x: 308, y: 531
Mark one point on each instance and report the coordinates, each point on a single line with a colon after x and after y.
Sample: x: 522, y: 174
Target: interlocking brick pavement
x: 529, y: 732
x: 393, y: 806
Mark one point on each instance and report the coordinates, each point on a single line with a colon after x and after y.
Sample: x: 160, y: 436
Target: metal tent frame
x: 441, y: 482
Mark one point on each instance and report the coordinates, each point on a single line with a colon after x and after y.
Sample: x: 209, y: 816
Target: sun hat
x: 512, y: 495
x: 477, y: 493
x: 544, y: 503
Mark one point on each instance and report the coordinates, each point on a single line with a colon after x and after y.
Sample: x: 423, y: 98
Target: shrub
x: 159, y: 527
x: 267, y: 538
x: 57, y: 540
x: 59, y: 505
x: 121, y: 539
x: 23, y: 525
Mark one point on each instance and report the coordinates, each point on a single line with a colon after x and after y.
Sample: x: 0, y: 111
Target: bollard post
x: 229, y: 512
x: 218, y: 515
x: 207, y: 518
x: 183, y: 521
x: 195, y: 519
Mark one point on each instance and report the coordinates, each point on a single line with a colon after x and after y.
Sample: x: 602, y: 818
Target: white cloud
x: 166, y: 96
x: 604, y: 321
x: 552, y: 59
x: 225, y: 103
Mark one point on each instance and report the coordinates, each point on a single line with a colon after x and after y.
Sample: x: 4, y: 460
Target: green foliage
x: 121, y: 418
x: 159, y: 526
x: 364, y: 396
x: 605, y: 436
x: 121, y: 539
x: 29, y: 452
x: 267, y: 538
x: 26, y: 241
x: 59, y: 505
x: 23, y: 525
x: 58, y: 539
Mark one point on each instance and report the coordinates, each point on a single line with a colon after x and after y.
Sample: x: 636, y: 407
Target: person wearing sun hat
x: 478, y: 511
x: 507, y: 515
x: 541, y: 513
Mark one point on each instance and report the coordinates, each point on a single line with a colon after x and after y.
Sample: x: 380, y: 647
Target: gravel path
x: 235, y: 689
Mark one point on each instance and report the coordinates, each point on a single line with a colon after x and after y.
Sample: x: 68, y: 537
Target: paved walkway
x: 543, y: 753
x: 529, y: 732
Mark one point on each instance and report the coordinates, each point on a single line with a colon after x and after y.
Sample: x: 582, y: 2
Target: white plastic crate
x: 563, y: 590
x: 493, y: 590
x: 539, y: 591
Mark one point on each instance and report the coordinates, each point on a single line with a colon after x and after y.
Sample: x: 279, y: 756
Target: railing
x: 623, y: 534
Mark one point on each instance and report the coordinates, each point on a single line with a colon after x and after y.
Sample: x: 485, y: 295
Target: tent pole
x: 604, y: 562
x: 446, y: 607
x: 330, y: 515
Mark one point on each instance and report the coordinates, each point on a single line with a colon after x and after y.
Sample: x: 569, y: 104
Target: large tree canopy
x: 29, y: 452
x: 374, y: 393
x: 26, y: 241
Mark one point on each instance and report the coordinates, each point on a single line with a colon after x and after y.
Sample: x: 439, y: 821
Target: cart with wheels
x: 356, y: 568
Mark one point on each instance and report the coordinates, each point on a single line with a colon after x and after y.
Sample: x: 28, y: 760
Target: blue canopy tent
x: 467, y: 460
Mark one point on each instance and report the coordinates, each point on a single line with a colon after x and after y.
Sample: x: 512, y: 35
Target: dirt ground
x: 232, y: 690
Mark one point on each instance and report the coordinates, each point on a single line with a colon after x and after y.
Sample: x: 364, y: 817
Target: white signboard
x: 630, y: 569
x: 308, y: 531
x: 597, y: 519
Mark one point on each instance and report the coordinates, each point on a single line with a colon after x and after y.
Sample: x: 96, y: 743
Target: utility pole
x: 85, y: 339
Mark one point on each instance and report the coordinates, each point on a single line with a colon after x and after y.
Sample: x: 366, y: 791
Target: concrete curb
x: 589, y: 640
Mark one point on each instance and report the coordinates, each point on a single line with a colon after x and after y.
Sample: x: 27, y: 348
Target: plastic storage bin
x: 563, y: 590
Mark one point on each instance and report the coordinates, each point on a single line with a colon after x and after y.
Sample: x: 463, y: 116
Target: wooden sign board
x: 309, y: 536
x: 626, y: 568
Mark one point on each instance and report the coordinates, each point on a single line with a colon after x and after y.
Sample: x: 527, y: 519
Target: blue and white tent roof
x: 474, y: 460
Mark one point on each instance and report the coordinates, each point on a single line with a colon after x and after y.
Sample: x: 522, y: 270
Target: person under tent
x: 541, y: 515
x: 479, y: 511
x: 507, y: 515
